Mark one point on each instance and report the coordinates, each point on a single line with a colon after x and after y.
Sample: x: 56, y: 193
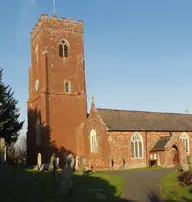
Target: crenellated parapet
x: 53, y: 22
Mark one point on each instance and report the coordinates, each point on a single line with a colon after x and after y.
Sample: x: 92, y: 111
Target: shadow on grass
x: 28, y: 186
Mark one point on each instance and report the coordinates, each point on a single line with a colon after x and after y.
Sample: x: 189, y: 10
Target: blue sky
x: 138, y: 53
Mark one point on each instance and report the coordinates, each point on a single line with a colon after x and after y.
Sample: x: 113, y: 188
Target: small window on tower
x: 63, y: 48
x: 67, y: 87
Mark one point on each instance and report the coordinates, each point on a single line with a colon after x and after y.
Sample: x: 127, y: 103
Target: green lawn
x: 172, y: 191
x: 130, y: 169
x: 27, y: 189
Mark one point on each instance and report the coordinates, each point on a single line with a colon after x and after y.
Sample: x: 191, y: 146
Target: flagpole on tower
x: 54, y: 8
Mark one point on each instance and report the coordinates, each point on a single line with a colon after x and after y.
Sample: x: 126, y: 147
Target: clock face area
x: 37, y: 85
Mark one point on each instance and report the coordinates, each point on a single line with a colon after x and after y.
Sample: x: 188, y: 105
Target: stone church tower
x: 57, y: 108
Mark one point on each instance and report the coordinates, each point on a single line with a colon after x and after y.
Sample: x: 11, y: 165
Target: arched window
x: 185, y: 139
x: 67, y: 86
x: 63, y: 48
x: 38, y: 132
x: 93, y: 141
x: 37, y: 53
x: 136, y: 146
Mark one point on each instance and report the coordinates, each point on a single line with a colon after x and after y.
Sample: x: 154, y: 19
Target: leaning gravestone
x: 51, y: 161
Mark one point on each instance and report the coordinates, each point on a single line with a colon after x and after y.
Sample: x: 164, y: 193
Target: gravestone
x: 82, y: 165
x: 71, y: 161
x: 2, y: 150
x: 64, y: 160
x: 66, y: 182
x: 76, y: 163
x: 5, y: 170
x: 39, y: 161
x: 51, y: 161
x: 57, y: 160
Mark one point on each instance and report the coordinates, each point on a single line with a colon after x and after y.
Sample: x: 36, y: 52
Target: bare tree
x: 21, y: 149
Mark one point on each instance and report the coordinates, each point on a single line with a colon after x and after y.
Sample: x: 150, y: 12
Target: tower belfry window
x: 63, y: 49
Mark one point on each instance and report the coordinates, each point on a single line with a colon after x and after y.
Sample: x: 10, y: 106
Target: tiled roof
x: 124, y: 120
x: 160, y: 144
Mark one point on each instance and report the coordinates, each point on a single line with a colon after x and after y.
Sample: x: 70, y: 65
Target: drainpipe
x: 146, y: 148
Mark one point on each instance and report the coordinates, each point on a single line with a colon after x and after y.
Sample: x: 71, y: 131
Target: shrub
x: 186, y: 178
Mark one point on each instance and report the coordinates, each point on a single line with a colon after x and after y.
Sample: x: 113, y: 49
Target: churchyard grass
x: 131, y: 169
x: 172, y: 190
x: 29, y: 186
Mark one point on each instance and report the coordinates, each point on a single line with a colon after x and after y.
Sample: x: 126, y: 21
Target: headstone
x: 57, y: 160
x: 51, y: 161
x: 66, y: 182
x: 2, y: 150
x: 71, y: 160
x: 82, y: 165
x: 39, y: 161
x: 5, y: 153
x: 76, y: 163
x: 64, y: 160
x: 2, y: 143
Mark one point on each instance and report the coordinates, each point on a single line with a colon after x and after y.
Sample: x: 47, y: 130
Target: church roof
x: 125, y: 120
x: 160, y: 144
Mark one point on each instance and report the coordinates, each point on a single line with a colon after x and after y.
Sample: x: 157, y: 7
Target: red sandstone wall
x: 62, y: 113
x: 119, y: 143
x: 119, y: 146
x: 98, y: 160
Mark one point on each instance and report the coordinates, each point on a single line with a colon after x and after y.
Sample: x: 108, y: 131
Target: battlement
x: 53, y: 22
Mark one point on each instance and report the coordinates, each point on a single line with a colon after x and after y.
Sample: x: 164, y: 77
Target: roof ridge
x: 126, y: 110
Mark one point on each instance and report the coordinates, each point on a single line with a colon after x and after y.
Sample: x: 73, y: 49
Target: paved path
x: 142, y: 185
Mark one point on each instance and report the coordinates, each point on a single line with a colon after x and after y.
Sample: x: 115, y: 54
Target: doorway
x: 175, y: 155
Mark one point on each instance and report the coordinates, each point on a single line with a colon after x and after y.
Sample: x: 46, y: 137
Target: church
x: 58, y: 120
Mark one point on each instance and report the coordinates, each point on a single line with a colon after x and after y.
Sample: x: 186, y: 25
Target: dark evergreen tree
x: 9, y: 113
